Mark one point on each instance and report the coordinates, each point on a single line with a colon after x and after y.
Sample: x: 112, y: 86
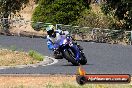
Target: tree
x: 10, y: 6
x: 59, y: 11
x: 94, y: 20
x: 121, y: 10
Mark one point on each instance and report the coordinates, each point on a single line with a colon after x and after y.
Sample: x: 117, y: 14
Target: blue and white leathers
x: 52, y: 41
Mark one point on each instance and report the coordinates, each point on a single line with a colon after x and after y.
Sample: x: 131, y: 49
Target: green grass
x: 89, y: 86
x: 13, y: 48
x: 69, y: 85
x: 36, y: 55
x: 76, y: 86
x: 21, y: 50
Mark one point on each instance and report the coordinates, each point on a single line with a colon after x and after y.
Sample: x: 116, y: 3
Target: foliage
x: 13, y: 48
x: 7, y: 7
x: 11, y: 6
x: 38, y: 26
x: 59, y: 11
x: 36, y: 55
x: 116, y: 34
x: 36, y: 1
x: 94, y: 20
x: 122, y: 12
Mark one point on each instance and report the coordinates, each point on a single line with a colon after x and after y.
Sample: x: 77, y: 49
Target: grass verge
x: 35, y: 55
x: 13, y: 58
x: 51, y: 81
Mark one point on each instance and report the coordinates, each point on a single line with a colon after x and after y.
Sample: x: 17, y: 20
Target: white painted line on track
x: 54, y: 61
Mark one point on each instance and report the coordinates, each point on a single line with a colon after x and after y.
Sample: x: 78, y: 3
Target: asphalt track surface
x: 102, y: 58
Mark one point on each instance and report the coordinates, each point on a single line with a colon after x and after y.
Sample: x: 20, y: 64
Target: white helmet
x: 50, y: 29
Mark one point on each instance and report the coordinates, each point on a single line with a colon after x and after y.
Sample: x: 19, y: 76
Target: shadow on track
x: 73, y: 65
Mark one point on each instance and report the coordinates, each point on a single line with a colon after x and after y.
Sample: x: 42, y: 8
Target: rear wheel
x: 70, y: 58
x: 58, y: 55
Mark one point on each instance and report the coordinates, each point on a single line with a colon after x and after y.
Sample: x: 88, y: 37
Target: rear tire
x: 70, y: 58
x: 58, y: 55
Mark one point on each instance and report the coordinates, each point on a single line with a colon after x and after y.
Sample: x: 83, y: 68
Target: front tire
x: 83, y: 60
x: 57, y: 54
x: 70, y: 58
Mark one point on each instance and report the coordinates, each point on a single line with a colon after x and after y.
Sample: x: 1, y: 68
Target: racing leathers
x: 54, y: 39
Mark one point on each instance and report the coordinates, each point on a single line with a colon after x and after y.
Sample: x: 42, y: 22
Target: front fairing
x: 76, y: 51
x: 69, y: 45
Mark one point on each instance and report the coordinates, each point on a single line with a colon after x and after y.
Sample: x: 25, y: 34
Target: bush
x: 36, y: 55
x: 59, y: 11
x: 38, y: 26
x: 121, y: 10
x: 93, y: 20
x: 13, y: 48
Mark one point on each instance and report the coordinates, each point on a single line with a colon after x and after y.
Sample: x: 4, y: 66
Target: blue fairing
x: 77, y: 52
x: 73, y: 47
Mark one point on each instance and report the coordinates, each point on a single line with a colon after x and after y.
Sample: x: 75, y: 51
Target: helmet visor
x: 50, y: 32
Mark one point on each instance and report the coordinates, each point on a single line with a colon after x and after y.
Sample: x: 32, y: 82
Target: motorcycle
x: 70, y: 51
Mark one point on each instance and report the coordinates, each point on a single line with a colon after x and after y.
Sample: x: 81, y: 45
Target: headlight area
x: 65, y: 41
x: 70, y: 43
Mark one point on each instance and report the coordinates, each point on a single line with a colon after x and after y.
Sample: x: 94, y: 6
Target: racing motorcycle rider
x: 53, y: 37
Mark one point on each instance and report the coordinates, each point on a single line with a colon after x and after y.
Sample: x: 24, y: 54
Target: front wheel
x: 70, y: 57
x: 83, y: 60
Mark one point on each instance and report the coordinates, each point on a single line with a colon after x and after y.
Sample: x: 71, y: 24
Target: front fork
x: 74, y: 49
x: 76, y: 52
